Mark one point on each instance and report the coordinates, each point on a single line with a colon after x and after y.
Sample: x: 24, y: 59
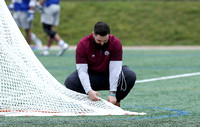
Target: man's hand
x: 93, y: 95
x: 112, y: 98
x: 30, y: 16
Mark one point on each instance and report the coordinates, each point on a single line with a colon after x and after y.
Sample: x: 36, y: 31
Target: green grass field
x: 134, y: 22
x: 167, y: 102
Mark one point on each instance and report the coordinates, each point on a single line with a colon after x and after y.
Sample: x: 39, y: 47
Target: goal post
x: 28, y: 89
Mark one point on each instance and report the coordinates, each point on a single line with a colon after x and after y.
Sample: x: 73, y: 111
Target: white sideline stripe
x: 168, y: 77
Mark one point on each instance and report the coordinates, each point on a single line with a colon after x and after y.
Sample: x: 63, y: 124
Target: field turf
x: 168, y: 101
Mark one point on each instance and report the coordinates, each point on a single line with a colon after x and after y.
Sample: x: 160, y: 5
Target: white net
x: 28, y: 89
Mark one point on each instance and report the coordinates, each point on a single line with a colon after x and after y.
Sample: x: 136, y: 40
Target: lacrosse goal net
x: 28, y: 89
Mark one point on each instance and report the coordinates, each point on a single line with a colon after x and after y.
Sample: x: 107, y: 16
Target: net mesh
x: 27, y: 88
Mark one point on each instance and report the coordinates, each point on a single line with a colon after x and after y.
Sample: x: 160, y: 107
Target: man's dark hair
x: 101, y: 28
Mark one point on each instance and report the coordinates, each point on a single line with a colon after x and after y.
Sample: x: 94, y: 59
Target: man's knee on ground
x: 73, y: 84
x: 68, y: 82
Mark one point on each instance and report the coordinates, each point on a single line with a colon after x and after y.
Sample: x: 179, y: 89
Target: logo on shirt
x: 93, y: 55
x: 106, y: 53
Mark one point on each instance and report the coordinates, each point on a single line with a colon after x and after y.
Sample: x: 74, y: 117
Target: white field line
x: 168, y: 77
x: 196, y: 47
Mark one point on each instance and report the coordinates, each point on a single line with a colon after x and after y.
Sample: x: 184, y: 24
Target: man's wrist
x: 87, y: 91
x: 112, y: 93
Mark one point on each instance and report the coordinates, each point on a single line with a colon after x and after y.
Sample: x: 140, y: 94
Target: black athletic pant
x: 101, y: 82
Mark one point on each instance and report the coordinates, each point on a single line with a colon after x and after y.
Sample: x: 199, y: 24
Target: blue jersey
x: 49, y: 2
x: 21, y: 5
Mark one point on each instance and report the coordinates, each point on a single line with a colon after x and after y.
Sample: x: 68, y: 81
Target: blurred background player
x: 23, y: 14
x: 50, y: 15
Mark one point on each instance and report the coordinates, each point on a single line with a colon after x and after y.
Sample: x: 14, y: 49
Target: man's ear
x: 93, y: 34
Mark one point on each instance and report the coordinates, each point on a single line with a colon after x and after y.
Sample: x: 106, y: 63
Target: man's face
x: 101, y: 40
